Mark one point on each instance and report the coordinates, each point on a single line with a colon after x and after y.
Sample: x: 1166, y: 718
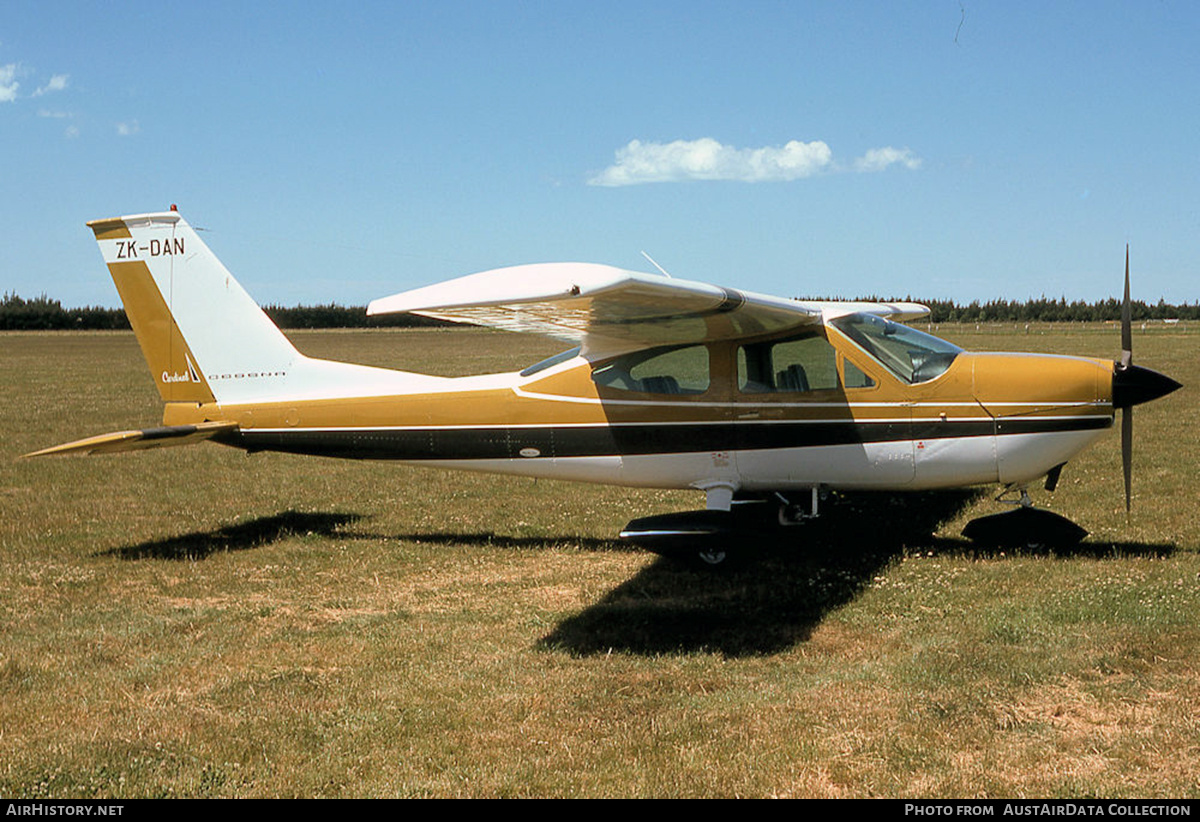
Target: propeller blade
x: 1127, y: 455
x: 1126, y: 324
x: 1123, y: 369
x: 1133, y: 385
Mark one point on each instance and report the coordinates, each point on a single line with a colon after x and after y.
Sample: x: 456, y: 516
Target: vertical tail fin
x: 203, y: 336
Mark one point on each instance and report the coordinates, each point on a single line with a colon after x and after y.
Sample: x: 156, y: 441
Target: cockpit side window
x: 682, y: 370
x: 911, y: 355
x: 796, y: 365
x: 855, y: 376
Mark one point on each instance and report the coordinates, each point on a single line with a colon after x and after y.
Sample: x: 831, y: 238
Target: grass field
x: 197, y: 622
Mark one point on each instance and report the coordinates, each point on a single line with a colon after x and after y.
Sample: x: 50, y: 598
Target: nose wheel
x: 1024, y: 527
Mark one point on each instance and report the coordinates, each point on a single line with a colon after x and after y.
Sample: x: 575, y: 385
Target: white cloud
x: 8, y: 83
x: 707, y: 159
x: 877, y: 159
x: 58, y: 82
x: 127, y: 129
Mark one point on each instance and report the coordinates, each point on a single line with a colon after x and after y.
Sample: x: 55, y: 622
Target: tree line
x: 1048, y: 310
x: 42, y: 312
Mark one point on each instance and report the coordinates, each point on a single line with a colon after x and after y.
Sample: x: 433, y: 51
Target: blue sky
x: 341, y: 152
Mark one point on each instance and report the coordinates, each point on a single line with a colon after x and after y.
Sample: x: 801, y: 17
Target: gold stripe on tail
x: 171, y: 361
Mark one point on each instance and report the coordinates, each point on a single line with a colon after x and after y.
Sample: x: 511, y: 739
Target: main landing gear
x: 714, y: 538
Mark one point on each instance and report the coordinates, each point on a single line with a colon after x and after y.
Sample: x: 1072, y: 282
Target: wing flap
x: 164, y: 437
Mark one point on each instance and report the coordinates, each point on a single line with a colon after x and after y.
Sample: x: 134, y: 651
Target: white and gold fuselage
x: 723, y: 425
x: 988, y: 419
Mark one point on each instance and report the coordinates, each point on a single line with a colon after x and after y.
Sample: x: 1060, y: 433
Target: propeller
x: 1125, y: 364
x: 1133, y: 385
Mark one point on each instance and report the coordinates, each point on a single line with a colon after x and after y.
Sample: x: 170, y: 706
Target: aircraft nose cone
x: 1134, y: 385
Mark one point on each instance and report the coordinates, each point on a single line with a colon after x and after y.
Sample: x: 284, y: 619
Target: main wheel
x: 712, y: 557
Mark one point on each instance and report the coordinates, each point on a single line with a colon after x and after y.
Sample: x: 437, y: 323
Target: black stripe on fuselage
x: 517, y: 442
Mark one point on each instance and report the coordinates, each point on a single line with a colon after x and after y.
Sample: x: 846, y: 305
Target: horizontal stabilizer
x: 139, y: 440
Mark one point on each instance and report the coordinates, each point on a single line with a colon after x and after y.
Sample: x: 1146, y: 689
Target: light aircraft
x: 670, y: 384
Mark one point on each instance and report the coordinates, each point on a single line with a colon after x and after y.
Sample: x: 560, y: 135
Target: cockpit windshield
x: 911, y: 355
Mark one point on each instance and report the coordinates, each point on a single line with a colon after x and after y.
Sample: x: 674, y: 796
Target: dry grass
x: 195, y: 622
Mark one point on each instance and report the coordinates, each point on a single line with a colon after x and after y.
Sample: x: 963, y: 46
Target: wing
x: 600, y: 306
x: 140, y: 440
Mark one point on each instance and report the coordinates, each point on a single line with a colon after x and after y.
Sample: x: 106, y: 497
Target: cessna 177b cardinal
x: 670, y: 384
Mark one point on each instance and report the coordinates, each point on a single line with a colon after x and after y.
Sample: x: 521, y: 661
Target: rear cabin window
x: 658, y: 371
x: 792, y: 366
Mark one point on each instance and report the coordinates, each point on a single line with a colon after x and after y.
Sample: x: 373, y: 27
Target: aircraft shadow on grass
x: 767, y: 604
x: 241, y: 536
x: 782, y: 595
